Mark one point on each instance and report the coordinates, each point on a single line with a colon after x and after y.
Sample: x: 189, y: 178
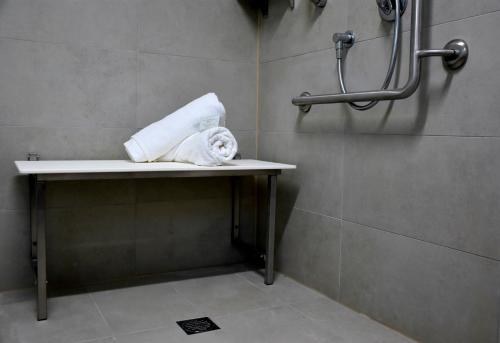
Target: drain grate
x: 197, y: 325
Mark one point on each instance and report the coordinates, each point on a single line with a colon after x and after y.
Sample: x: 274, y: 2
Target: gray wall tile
x: 364, y: 20
x: 422, y: 183
x: 48, y: 85
x: 74, y: 194
x: 62, y: 142
x: 107, y: 24
x: 441, y: 106
x: 363, y: 15
x: 90, y: 244
x: 213, y: 29
x: 283, y: 79
x: 13, y: 188
x: 169, y: 82
x: 316, y: 184
x: 150, y: 190
x: 433, y: 293
x: 309, y: 251
x: 183, y: 234
x: 14, y: 250
x: 246, y: 143
x: 439, y: 189
x: 287, y: 32
x: 445, y: 103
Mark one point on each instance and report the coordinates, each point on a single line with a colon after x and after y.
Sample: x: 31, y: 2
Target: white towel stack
x: 207, y: 148
x: 192, y: 134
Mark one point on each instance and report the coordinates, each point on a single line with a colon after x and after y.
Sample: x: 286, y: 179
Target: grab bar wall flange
x: 454, y: 54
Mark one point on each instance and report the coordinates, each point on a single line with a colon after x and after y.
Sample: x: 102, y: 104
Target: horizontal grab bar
x: 454, y: 54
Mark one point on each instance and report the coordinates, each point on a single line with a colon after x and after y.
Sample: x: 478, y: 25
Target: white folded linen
x: 162, y: 136
x: 208, y: 148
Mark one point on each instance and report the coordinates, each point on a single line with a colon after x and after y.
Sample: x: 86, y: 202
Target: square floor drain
x: 197, y: 325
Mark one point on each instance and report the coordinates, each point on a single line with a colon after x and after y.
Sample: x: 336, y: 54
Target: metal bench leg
x: 235, y: 231
x: 32, y: 217
x: 271, y: 221
x: 38, y: 226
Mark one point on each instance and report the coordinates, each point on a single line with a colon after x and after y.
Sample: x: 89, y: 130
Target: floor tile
x: 101, y: 340
x: 244, y: 308
x: 224, y: 294
x: 280, y: 324
x: 71, y: 319
x: 15, y: 296
x: 284, y: 288
x: 172, y: 334
x: 346, y: 325
x: 144, y: 307
x: 276, y: 325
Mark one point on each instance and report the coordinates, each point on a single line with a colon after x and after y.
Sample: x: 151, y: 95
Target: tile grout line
x: 96, y: 126
x: 423, y: 241
x: 102, y: 315
x: 260, y: 308
x: 176, y: 291
x: 357, y: 313
x: 303, y: 314
x: 257, y: 99
x: 97, y: 339
x: 498, y: 310
x: 351, y: 134
x: 342, y: 174
x: 316, y: 213
x: 136, y: 50
x: 135, y: 332
x: 396, y: 233
x: 377, y: 37
x: 282, y: 302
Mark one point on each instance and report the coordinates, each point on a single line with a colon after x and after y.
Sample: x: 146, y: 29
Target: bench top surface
x: 126, y: 166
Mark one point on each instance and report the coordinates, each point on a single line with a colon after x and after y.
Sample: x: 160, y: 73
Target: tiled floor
x: 240, y: 304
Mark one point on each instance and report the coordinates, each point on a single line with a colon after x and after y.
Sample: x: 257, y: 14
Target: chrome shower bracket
x: 320, y: 3
x: 305, y: 108
x: 455, y: 54
x: 386, y: 8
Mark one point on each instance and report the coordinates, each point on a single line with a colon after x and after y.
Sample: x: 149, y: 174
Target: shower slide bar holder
x: 454, y: 55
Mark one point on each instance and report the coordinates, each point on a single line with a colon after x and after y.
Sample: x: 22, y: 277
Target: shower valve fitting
x: 343, y: 40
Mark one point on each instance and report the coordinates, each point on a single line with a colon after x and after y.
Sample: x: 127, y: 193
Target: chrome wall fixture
x: 454, y: 55
x: 319, y: 3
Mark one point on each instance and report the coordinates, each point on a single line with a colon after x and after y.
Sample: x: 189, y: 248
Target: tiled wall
x: 394, y: 211
x: 77, y: 79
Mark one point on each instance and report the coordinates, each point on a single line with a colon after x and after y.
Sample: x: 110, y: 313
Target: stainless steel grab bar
x: 454, y: 54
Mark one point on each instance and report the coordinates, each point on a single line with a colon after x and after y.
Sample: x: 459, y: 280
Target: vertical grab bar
x: 454, y: 54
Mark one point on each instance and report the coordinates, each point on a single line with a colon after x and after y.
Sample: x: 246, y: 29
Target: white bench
x: 41, y: 172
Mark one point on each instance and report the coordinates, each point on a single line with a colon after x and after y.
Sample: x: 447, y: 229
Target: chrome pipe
x: 454, y: 56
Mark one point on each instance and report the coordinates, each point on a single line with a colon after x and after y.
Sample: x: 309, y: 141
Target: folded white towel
x: 208, y: 148
x: 159, y: 138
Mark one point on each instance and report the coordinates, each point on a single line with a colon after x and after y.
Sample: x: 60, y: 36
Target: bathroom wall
x: 394, y: 211
x: 77, y: 79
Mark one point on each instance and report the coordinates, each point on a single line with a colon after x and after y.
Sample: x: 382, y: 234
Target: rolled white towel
x: 162, y: 136
x: 208, y: 148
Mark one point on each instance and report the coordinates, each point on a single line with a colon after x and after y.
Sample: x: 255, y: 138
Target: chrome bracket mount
x: 320, y: 3
x: 460, y: 57
x: 387, y: 8
x: 305, y: 108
